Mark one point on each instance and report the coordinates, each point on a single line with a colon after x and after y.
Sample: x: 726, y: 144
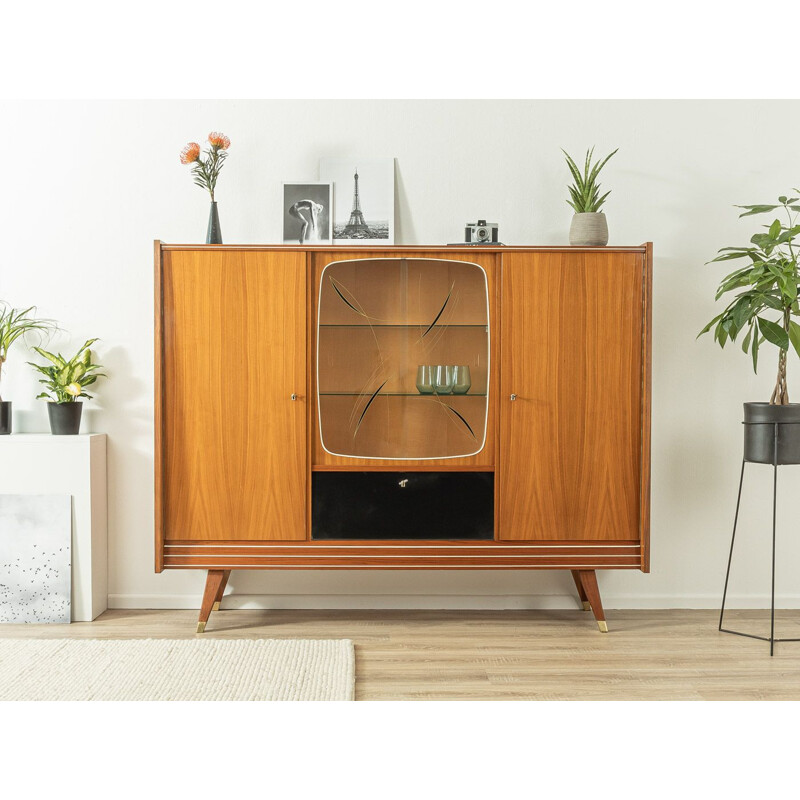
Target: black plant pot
x: 762, y: 422
x: 65, y: 418
x: 5, y: 417
x: 214, y: 232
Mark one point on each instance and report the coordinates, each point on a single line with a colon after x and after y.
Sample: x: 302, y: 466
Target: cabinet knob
x: 294, y: 396
x: 513, y: 397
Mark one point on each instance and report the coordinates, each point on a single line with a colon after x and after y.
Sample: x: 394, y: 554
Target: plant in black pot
x: 764, y: 308
x: 66, y: 380
x: 16, y: 323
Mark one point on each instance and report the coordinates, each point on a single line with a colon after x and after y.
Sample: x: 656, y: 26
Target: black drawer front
x: 402, y: 505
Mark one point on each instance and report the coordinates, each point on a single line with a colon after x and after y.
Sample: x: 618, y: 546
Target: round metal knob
x: 294, y: 396
x: 513, y: 397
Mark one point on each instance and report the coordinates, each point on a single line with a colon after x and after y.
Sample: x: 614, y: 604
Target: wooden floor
x: 508, y: 655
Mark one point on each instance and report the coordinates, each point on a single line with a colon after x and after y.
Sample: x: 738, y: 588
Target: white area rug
x: 175, y: 669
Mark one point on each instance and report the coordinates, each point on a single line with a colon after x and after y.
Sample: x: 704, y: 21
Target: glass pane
x: 403, y: 358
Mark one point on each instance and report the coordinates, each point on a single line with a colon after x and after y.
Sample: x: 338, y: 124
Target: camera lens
x: 482, y: 233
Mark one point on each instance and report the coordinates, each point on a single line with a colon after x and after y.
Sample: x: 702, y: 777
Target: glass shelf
x: 409, y: 325
x: 400, y: 394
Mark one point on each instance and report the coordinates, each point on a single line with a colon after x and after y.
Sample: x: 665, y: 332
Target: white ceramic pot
x: 589, y: 230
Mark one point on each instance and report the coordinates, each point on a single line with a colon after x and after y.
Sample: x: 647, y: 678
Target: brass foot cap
x: 215, y: 607
x: 201, y: 626
x: 587, y: 606
x: 603, y: 625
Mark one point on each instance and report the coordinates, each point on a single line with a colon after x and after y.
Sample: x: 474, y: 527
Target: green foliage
x: 585, y: 192
x: 17, y: 322
x: 767, y: 283
x: 66, y: 379
x: 205, y: 173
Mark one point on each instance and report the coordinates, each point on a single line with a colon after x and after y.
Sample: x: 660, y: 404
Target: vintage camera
x: 482, y: 232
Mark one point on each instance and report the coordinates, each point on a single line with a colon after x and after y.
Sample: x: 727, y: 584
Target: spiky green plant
x: 585, y: 192
x: 15, y: 323
x: 66, y: 379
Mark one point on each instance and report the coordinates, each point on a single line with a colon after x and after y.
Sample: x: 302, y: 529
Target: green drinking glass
x: 461, y: 379
x: 443, y: 382
x: 425, y: 379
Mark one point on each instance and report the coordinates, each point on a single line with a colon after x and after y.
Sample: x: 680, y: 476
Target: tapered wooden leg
x: 213, y: 582
x: 221, y: 591
x: 589, y: 582
x: 581, y: 593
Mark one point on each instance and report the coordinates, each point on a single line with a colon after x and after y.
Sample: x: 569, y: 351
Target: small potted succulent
x: 589, y: 227
x: 205, y: 174
x: 14, y: 324
x: 66, y: 380
x: 767, y: 286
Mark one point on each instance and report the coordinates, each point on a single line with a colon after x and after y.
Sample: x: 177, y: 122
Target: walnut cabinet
x: 402, y: 408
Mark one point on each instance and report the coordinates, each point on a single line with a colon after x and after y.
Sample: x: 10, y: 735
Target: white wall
x: 87, y: 186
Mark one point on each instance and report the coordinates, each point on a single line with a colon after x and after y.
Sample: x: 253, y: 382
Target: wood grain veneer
x: 233, y: 447
x: 571, y: 442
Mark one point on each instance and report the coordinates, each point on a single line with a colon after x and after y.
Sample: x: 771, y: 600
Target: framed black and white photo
x: 307, y: 217
x: 364, y: 203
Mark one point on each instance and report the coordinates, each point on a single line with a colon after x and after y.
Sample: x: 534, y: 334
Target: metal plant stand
x: 771, y: 638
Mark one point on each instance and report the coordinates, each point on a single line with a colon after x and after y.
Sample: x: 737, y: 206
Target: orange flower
x: 219, y: 140
x: 190, y: 153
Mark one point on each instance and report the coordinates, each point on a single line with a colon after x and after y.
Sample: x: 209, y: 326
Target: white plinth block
x: 74, y: 465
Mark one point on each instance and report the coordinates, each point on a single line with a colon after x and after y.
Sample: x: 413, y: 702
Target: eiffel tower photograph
x: 363, y: 198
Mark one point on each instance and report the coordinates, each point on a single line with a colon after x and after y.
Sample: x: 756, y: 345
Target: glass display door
x: 403, y: 358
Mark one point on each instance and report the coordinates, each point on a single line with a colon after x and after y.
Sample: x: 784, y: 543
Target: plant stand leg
x: 221, y: 591
x: 213, y: 583
x: 589, y: 582
x: 581, y: 592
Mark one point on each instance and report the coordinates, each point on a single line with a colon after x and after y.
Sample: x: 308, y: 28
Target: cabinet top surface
x: 404, y: 248
x: 46, y: 438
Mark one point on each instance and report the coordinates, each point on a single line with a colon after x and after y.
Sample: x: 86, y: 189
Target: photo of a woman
x: 307, y: 213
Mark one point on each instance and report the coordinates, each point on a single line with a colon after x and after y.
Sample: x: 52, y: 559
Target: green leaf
x: 794, y: 336
x: 774, y: 333
x: 709, y: 326
x: 758, y: 209
x: 746, y: 342
x: 754, y: 353
x: 741, y: 312
x: 728, y: 256
x: 775, y: 229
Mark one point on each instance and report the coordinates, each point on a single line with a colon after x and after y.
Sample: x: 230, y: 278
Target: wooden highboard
x: 547, y: 457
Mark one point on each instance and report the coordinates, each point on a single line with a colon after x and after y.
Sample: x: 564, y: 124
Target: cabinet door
x: 234, y: 352
x: 572, y: 353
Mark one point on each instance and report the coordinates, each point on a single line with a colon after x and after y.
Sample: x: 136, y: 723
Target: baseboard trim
x: 441, y: 602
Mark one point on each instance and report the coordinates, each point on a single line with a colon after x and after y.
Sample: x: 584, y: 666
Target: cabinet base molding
x: 402, y: 555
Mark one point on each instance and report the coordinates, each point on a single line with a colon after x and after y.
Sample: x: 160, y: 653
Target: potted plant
x: 66, y: 380
x: 765, y: 287
x: 15, y: 323
x: 589, y: 227
x: 205, y: 175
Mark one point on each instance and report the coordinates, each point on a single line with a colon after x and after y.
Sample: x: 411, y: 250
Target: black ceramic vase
x: 214, y: 233
x: 65, y: 418
x: 766, y: 426
x: 5, y: 417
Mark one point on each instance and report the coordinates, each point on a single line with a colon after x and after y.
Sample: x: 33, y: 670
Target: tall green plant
x: 585, y: 192
x: 768, y: 285
x: 16, y: 323
x: 65, y: 379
